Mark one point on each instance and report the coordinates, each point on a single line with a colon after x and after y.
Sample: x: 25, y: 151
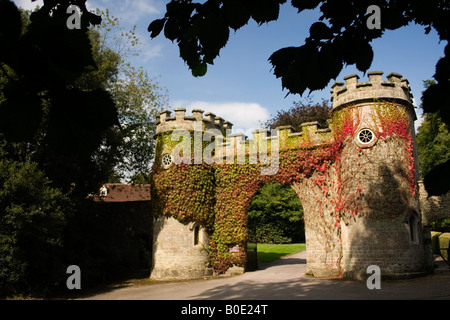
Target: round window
x: 365, y: 136
x: 166, y: 160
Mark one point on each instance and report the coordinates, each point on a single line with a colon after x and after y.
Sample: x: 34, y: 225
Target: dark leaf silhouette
x: 10, y: 29
x: 320, y: 30
x: 437, y: 180
x: 156, y: 27
x: 305, y: 4
x: 40, y: 64
x: 236, y: 13
x: 20, y: 113
x: 78, y: 120
x: 265, y: 10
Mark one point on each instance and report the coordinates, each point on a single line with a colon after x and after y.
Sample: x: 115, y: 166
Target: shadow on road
x: 283, y: 279
x: 280, y: 262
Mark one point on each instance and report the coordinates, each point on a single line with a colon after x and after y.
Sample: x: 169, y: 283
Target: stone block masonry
x: 435, y: 207
x: 179, y: 250
x: 357, y: 181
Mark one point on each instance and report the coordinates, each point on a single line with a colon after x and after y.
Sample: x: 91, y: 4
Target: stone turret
x: 165, y: 122
x: 396, y: 89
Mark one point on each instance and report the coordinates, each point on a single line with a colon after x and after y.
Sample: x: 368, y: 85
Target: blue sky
x: 240, y: 86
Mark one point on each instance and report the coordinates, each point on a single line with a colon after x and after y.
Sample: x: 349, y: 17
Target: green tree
x: 433, y: 143
x: 32, y: 221
x: 138, y: 97
x: 76, y: 153
x: 300, y: 113
x: 63, y: 104
x: 60, y: 124
x: 276, y: 215
x: 340, y: 37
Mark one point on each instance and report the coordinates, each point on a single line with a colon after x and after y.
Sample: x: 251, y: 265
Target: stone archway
x: 275, y: 215
x: 357, y: 182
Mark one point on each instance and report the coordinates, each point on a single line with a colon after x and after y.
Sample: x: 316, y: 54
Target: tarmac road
x: 285, y: 279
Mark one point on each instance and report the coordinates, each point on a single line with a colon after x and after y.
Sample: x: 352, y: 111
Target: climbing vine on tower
x: 219, y: 195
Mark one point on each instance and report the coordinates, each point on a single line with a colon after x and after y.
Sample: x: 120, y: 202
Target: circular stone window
x: 366, y: 138
x: 166, y: 160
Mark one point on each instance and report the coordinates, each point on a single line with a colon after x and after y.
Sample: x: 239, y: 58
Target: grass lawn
x: 271, y: 252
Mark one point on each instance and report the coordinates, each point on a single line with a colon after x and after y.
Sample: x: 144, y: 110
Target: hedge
x: 440, y: 240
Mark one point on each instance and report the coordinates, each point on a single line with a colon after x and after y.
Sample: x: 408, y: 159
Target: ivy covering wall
x: 219, y: 195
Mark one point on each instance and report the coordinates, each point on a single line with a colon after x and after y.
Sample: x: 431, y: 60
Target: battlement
x: 310, y: 133
x: 165, y: 122
x: 285, y: 137
x: 396, y: 88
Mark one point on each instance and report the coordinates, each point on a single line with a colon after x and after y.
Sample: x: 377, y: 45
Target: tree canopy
x: 301, y: 112
x: 433, y: 144
x: 32, y: 220
x: 341, y: 37
x: 73, y: 111
x: 72, y: 97
x: 137, y: 96
x: 433, y: 140
x: 276, y: 215
x: 41, y: 102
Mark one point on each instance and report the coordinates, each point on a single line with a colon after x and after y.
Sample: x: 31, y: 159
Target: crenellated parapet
x: 166, y: 122
x: 280, y: 138
x: 206, y: 128
x: 396, y: 89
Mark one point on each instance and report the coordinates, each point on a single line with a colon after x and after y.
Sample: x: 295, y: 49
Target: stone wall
x: 435, y: 207
x: 385, y: 232
x: 323, y: 243
x: 179, y: 250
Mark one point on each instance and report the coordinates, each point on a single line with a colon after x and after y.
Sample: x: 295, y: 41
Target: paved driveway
x: 284, y: 279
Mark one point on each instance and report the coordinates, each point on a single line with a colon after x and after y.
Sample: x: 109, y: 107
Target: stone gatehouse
x: 357, y: 180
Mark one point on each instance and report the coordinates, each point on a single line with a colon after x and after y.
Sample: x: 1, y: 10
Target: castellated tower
x: 180, y: 248
x: 380, y: 162
x: 357, y: 182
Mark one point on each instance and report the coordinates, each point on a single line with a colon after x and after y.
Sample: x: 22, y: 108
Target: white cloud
x: 130, y: 11
x: 419, y: 114
x: 28, y: 4
x: 419, y: 121
x: 245, y: 116
x: 148, y: 51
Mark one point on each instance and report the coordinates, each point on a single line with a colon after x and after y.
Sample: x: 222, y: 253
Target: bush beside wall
x: 440, y: 240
